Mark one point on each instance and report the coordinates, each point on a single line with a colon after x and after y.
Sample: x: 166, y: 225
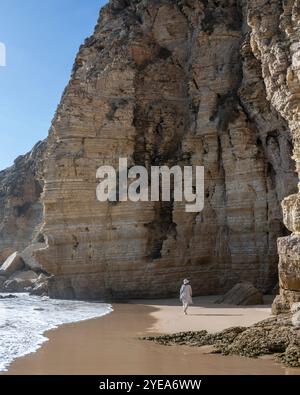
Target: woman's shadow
x: 219, y: 315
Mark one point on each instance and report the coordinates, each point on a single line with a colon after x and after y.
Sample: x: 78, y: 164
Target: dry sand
x: 204, y: 314
x: 110, y: 345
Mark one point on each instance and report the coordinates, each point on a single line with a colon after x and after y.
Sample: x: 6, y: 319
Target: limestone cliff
x: 275, y: 41
x: 164, y: 82
x: 172, y: 82
x: 20, y: 205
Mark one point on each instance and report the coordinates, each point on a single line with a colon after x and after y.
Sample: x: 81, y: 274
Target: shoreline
x: 111, y: 345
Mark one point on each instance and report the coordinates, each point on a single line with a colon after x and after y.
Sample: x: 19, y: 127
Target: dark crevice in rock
x: 216, y: 13
x: 162, y: 227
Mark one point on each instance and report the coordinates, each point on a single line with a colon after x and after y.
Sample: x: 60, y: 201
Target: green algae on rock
x: 275, y: 336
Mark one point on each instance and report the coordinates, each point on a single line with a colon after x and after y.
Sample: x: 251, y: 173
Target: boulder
x: 242, y: 294
x: 2, y: 281
x: 4, y: 254
x: 296, y: 319
x: 42, y: 278
x: 295, y: 309
x: 284, y: 302
x: 12, y: 264
x: 40, y: 287
x: 29, y: 258
x: 20, y: 281
x: 279, y: 305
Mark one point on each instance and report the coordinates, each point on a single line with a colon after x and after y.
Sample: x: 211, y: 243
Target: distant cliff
x: 21, y: 210
x: 210, y: 83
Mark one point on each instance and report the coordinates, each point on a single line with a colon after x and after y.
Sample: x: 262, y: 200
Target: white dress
x: 186, y: 294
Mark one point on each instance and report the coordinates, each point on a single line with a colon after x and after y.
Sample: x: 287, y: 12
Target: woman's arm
x: 180, y: 292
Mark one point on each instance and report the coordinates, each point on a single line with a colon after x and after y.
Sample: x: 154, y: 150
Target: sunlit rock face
x: 275, y: 32
x: 162, y: 83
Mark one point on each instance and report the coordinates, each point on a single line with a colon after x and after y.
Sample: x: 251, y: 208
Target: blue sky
x: 42, y: 38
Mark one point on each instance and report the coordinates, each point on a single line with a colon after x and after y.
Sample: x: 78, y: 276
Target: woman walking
x: 186, y: 295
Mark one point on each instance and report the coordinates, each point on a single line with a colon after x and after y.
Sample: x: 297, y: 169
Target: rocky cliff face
x: 275, y: 41
x: 164, y: 82
x: 172, y: 82
x: 20, y: 205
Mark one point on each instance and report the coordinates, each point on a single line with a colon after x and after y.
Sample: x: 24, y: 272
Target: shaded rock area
x: 242, y: 294
x: 13, y: 263
x: 20, y: 281
x: 28, y: 255
x: 2, y: 281
x: 40, y: 286
x: 21, y: 209
x: 275, y: 336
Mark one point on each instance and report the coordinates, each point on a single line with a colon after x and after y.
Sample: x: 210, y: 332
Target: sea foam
x: 24, y: 319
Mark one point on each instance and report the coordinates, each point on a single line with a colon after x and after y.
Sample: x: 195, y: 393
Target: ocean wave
x: 24, y: 320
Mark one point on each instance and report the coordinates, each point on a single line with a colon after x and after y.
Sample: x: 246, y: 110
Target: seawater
x: 25, y: 319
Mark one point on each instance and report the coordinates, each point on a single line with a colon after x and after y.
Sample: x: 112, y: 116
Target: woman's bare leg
x: 185, y: 307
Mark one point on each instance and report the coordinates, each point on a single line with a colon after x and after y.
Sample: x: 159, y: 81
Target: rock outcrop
x: 2, y: 281
x: 274, y: 336
x: 17, y: 276
x: 12, y: 264
x: 275, y: 30
x: 295, y: 309
x: 20, y: 206
x: 40, y: 286
x: 244, y: 294
x: 20, y: 281
x: 167, y: 82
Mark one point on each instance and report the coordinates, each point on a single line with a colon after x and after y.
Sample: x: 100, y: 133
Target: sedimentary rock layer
x: 20, y: 205
x: 275, y: 32
x: 168, y: 82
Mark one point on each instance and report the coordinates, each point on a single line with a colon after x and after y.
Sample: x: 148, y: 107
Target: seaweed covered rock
x: 275, y: 336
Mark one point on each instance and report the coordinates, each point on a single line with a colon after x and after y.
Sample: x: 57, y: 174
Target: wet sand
x: 110, y: 345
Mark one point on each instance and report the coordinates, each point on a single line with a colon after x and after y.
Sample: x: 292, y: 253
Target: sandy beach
x: 110, y: 345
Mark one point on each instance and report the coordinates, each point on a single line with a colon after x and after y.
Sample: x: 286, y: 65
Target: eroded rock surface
x: 244, y: 294
x: 274, y: 336
x: 20, y: 205
x: 12, y: 264
x: 164, y: 82
x: 19, y: 281
x: 275, y: 30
